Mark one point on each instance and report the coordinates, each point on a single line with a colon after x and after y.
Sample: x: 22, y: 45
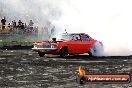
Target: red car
x: 69, y: 43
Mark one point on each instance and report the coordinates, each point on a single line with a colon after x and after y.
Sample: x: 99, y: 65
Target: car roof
x: 73, y: 33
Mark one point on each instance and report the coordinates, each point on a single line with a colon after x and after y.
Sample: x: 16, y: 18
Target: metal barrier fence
x: 17, y: 30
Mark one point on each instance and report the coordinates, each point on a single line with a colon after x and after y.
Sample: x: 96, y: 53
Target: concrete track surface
x: 25, y: 69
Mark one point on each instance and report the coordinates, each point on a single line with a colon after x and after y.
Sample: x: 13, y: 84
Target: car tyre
x: 90, y: 54
x: 41, y: 54
x: 63, y: 52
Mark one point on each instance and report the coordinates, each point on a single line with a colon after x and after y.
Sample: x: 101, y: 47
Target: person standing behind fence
x: 31, y: 26
x: 3, y: 21
x: 14, y: 27
x: 26, y: 29
x: 22, y: 28
x: 19, y: 26
x: 9, y: 27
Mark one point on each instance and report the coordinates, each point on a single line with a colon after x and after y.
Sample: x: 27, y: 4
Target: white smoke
x: 109, y: 21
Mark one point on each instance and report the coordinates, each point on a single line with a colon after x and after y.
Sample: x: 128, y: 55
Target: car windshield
x: 63, y: 37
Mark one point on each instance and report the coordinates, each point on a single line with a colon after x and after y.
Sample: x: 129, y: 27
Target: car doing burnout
x: 69, y: 43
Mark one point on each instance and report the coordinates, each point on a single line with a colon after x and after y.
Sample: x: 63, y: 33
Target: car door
x: 74, y: 44
x: 86, y: 43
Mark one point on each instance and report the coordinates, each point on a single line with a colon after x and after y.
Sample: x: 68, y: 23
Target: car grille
x: 43, y: 46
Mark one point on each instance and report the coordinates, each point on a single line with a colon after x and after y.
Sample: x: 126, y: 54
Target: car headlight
x: 53, y: 46
x: 34, y: 46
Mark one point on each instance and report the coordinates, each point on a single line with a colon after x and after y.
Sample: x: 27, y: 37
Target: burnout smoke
x: 106, y: 20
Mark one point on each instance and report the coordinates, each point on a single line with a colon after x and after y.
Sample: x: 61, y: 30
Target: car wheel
x: 41, y: 54
x: 63, y: 52
x: 96, y: 49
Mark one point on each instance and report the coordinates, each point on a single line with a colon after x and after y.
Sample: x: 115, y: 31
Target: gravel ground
x: 25, y: 69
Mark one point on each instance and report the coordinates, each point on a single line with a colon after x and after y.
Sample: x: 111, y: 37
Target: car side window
x: 76, y: 37
x: 85, y: 38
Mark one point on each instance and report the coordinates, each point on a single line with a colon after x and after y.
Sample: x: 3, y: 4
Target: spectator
x: 14, y: 27
x: 19, y: 26
x: 25, y: 25
x: 3, y: 21
x: 22, y: 28
x: 36, y: 31
x: 19, y: 23
x: 31, y: 25
x: 14, y: 23
x: 9, y: 25
x: 26, y: 30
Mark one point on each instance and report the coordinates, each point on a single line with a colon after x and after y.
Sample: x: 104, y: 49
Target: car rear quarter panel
x: 75, y: 47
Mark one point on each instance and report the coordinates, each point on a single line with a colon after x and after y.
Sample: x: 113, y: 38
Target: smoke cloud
x: 38, y: 10
x: 109, y: 21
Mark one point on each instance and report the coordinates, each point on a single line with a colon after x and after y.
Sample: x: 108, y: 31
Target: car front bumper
x: 45, y: 50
